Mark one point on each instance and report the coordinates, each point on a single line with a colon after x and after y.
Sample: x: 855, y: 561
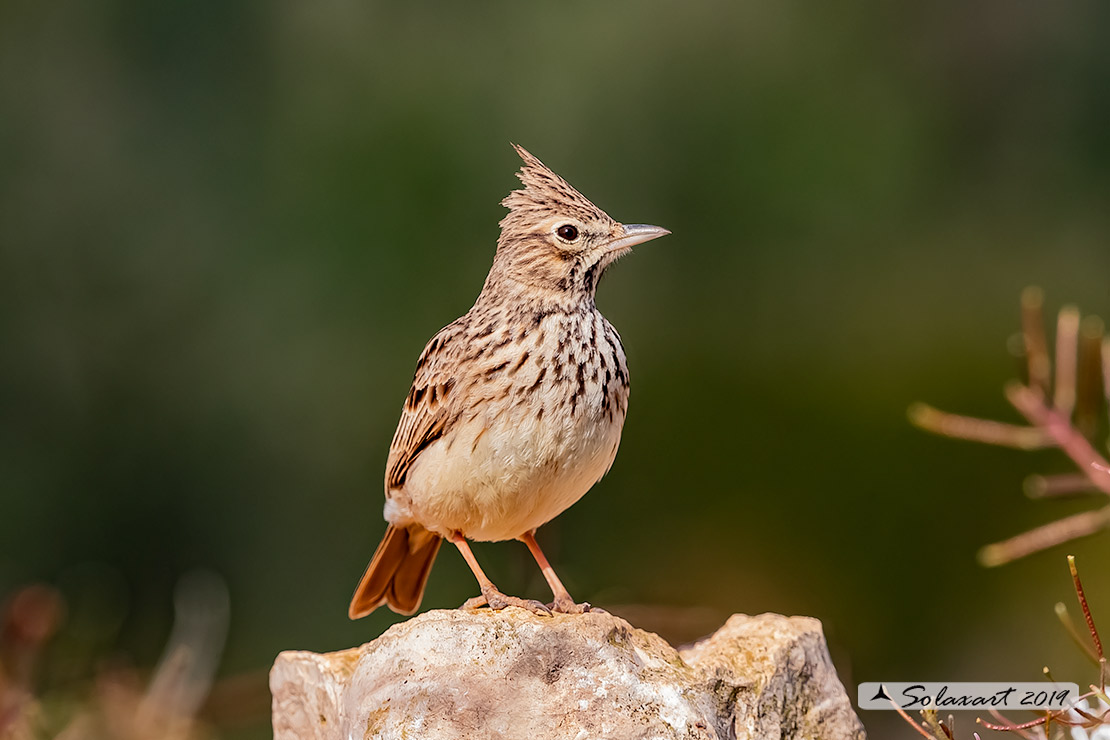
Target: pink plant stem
x: 1067, y: 355
x: 1059, y: 428
x: 977, y: 430
x: 909, y: 720
x: 1012, y: 727
x: 1048, y: 535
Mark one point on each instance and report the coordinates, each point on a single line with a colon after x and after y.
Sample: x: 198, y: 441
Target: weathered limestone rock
x: 512, y: 674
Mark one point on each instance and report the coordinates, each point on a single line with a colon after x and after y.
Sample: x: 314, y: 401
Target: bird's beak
x: 633, y: 234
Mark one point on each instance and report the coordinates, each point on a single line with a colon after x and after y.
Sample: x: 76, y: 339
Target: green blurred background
x: 227, y: 230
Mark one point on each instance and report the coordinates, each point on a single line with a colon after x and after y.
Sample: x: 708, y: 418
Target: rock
x: 513, y: 674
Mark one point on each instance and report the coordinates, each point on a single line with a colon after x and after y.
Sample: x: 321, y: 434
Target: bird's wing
x: 427, y: 411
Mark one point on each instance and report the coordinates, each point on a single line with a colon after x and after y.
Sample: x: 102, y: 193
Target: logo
x: 966, y: 695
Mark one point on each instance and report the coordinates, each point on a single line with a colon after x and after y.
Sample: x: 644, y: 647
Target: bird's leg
x: 563, y: 602
x: 490, y: 594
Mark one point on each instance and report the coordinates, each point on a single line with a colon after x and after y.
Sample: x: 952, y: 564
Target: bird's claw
x: 567, y: 605
x: 475, y: 603
x: 497, y: 601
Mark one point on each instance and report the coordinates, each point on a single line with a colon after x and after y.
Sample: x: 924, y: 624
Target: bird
x: 516, y: 408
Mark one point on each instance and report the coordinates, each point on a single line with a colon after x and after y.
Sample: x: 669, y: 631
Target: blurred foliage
x: 56, y: 681
x: 227, y: 229
x: 1063, y: 398
x: 1086, y: 718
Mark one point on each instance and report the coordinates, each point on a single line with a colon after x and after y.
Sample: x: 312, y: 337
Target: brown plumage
x: 516, y: 408
x: 398, y: 571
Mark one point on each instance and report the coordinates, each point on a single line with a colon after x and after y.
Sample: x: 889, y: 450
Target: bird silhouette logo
x: 881, y: 694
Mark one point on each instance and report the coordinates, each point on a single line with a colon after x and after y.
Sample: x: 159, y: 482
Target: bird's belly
x: 498, y: 478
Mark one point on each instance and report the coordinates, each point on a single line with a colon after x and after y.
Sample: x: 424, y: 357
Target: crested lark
x: 516, y: 408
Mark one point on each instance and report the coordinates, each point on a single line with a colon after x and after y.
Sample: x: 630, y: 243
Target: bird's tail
x: 398, y: 573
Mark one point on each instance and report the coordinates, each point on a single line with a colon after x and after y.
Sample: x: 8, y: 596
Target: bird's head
x: 554, y: 240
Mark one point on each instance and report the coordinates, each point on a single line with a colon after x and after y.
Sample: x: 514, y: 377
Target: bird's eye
x: 567, y: 232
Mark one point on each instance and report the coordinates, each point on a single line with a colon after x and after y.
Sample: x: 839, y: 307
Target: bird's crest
x: 544, y: 194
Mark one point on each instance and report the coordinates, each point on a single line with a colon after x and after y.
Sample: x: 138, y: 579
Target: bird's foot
x: 564, y: 604
x: 497, y: 601
x: 475, y: 603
